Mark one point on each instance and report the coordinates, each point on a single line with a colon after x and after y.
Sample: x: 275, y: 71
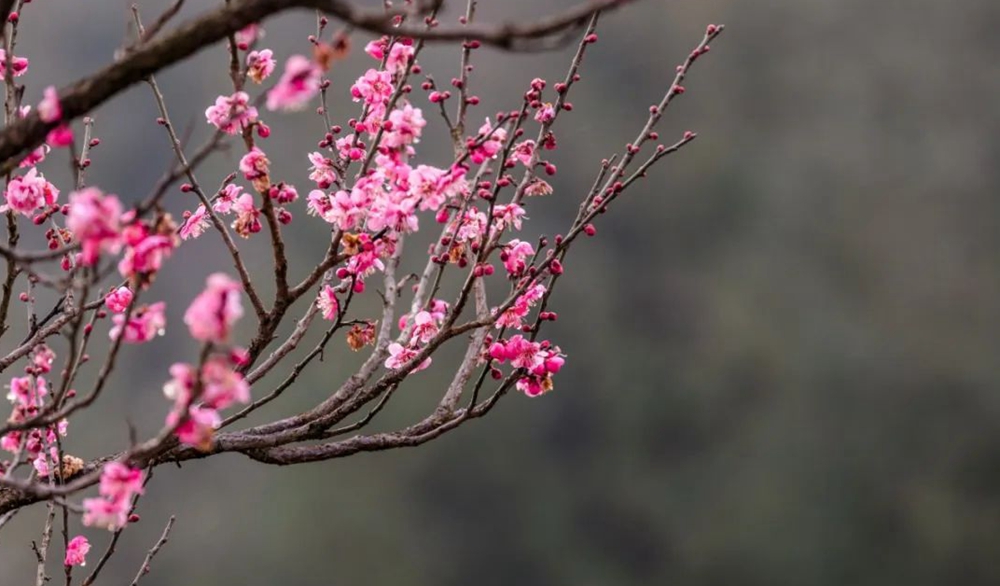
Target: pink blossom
x: 424, y: 327
x: 27, y: 391
x: 298, y: 84
x: 195, y: 224
x: 322, y: 170
x: 29, y: 193
x: 247, y: 220
x: 260, y: 65
x: 545, y: 114
x: 439, y: 309
x: 226, y: 198
x: 231, y: 114
x: 213, y: 312
x: 512, y: 318
x: 255, y: 166
x: 247, y: 35
x: 94, y: 219
x: 221, y: 385
x: 120, y: 481
x: 283, y: 193
x: 49, y: 109
x: 328, y: 304
x: 76, y: 551
x: 406, y: 124
x: 515, y: 255
x: 524, y: 151
x: 399, y: 355
x: 110, y: 515
x: 538, y: 187
x: 19, y: 65
x: 119, y: 299
x: 488, y: 148
x: 59, y: 137
x: 374, y: 88
x: 144, y: 252
x: 539, y: 360
x: 348, y: 149
x: 508, y: 215
x: 376, y: 48
x: 42, y: 358
x: 146, y: 323
x: 181, y: 383
x: 472, y: 227
x: 35, y: 157
x: 198, y: 428
x: 399, y: 57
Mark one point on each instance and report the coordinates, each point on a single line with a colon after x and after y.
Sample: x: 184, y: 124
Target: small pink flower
x: 29, y: 193
x: 328, y: 304
x: 513, y: 317
x: 42, y: 358
x: 19, y: 65
x: 322, y: 170
x: 94, y: 219
x: 255, y: 167
x: 247, y: 35
x: 198, y: 428
x: 260, y: 65
x: 26, y: 391
x: 110, y: 515
x: 374, y: 87
x: 119, y: 299
x: 179, y: 387
x: 399, y: 57
x: 76, y: 551
x: 298, y: 84
x: 376, y: 48
x: 120, y: 481
x: 144, y: 252
x: 213, y: 312
x: 247, y: 216
x: 60, y: 137
x: 424, y: 327
x: 507, y: 215
x: 400, y: 355
x: 195, y: 224
x: 222, y: 386
x: 524, y: 151
x: 231, y: 114
x: 146, y: 323
x: 515, y: 256
x: 226, y: 198
x: 49, y: 109
x: 406, y: 124
x: 545, y: 114
x: 489, y: 147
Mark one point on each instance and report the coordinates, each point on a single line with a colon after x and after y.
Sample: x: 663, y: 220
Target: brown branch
x: 144, y: 569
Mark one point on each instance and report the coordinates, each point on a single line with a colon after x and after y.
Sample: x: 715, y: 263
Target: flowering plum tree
x: 364, y: 182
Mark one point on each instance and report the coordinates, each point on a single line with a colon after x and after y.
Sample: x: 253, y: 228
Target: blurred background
x: 782, y: 346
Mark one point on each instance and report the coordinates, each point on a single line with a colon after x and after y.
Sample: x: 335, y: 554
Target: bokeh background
x: 782, y: 346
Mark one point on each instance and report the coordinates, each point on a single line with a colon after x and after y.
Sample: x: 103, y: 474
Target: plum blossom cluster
x: 28, y: 397
x: 536, y: 362
x: 483, y: 277
x: 200, y: 392
x: 119, y: 484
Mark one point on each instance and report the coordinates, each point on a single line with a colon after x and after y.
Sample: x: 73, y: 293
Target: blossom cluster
x: 119, y: 484
x: 28, y: 396
x: 200, y: 392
